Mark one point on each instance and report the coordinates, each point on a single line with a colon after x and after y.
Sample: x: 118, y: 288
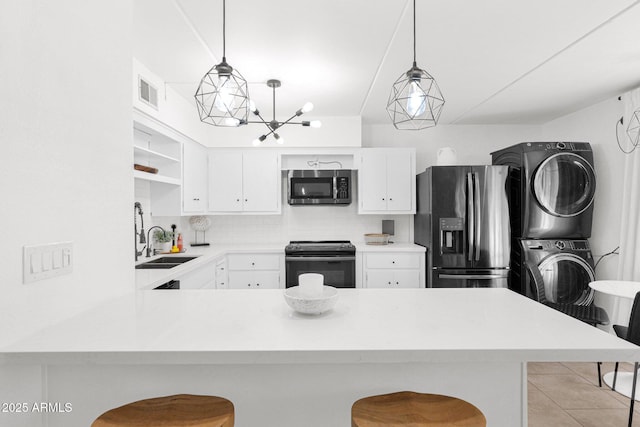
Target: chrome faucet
x: 148, y: 245
x: 137, y: 210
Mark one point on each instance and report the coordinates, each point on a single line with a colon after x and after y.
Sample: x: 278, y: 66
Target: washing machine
x: 565, y: 265
x: 551, y: 189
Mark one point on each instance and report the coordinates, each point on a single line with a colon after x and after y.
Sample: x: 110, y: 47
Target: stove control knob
x: 560, y: 244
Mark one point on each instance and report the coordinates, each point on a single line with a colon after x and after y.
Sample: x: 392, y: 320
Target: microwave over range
x: 319, y: 187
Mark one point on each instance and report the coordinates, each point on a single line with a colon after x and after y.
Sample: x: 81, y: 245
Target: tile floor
x: 567, y: 395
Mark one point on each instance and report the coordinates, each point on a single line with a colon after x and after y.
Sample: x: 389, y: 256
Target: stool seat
x: 180, y: 410
x: 407, y: 408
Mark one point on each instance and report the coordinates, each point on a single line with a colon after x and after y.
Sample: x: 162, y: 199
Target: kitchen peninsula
x: 283, y: 369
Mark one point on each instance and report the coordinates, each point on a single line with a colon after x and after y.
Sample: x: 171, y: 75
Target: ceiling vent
x: 147, y: 93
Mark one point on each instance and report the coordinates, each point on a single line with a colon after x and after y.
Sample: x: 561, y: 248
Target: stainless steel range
x: 335, y: 259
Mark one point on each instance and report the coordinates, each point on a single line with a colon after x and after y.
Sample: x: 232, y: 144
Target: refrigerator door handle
x: 472, y: 276
x: 470, y: 216
x: 477, y: 210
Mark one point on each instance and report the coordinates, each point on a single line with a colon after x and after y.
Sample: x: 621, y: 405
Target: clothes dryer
x: 552, y: 185
x: 566, y: 267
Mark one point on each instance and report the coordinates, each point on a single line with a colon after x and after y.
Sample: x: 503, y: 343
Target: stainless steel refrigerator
x: 463, y: 220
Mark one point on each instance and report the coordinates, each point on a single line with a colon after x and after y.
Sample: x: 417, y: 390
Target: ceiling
x: 496, y: 61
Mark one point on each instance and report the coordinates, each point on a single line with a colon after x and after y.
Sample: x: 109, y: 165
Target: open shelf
x: 156, y: 178
x: 141, y: 151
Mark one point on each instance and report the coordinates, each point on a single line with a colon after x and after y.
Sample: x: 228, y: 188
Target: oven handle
x: 320, y: 258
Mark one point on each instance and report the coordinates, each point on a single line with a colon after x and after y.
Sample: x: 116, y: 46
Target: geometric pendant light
x: 633, y: 130
x: 222, y: 97
x: 415, y: 101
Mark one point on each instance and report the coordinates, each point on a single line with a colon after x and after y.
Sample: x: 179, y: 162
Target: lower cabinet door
x: 254, y: 279
x: 200, y: 278
x: 380, y: 278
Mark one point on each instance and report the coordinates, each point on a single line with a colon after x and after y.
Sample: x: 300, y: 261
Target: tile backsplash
x: 295, y: 223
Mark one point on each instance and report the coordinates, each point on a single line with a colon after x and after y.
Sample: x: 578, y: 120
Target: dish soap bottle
x: 180, y: 245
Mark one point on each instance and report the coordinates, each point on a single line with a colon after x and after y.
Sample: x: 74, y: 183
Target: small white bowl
x: 311, y: 305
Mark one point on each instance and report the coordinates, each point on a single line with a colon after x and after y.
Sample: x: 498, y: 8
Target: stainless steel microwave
x: 319, y: 187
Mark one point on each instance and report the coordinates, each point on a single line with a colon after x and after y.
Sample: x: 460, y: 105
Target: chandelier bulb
x: 307, y: 107
x: 315, y: 123
x: 231, y: 122
x: 279, y: 139
x: 253, y: 108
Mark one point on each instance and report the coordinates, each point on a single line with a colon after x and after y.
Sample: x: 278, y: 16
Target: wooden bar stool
x: 408, y: 408
x: 181, y: 410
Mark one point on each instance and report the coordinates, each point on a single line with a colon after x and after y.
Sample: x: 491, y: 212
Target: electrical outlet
x: 45, y: 261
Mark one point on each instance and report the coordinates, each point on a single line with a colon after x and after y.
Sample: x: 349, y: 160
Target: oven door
x: 339, y: 272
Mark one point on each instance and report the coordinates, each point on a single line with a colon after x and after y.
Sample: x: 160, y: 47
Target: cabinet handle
x: 257, y: 284
x: 388, y: 283
x: 246, y: 200
x: 393, y: 262
x: 383, y: 199
x: 237, y: 200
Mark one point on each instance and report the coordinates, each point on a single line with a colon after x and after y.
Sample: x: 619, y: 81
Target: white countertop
x: 366, y: 325
x: 152, y: 278
x: 392, y: 247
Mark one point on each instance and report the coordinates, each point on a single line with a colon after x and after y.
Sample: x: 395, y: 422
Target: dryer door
x: 564, y: 184
x: 566, y: 279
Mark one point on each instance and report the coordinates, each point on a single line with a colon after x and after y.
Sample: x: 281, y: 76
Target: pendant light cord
x: 414, y: 33
x: 224, y: 29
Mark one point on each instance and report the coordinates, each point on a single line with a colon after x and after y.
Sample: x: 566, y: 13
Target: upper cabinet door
x: 261, y: 182
x: 194, y: 178
x: 400, y: 181
x: 386, y: 181
x: 225, y: 181
x: 372, y: 177
x: 244, y: 181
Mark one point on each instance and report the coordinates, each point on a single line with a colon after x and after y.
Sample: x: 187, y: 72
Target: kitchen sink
x: 164, y: 262
x: 171, y: 260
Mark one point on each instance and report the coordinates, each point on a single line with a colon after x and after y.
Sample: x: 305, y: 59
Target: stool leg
x: 615, y: 377
x: 633, y: 392
x: 599, y: 375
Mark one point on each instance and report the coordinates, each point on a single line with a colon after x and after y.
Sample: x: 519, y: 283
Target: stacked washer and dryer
x: 551, y: 190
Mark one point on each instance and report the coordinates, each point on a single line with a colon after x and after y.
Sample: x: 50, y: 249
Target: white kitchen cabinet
x: 255, y: 271
x: 386, y: 181
x: 203, y: 277
x: 244, y: 182
x: 393, y: 270
x: 194, y: 178
x: 254, y: 279
x: 222, y: 278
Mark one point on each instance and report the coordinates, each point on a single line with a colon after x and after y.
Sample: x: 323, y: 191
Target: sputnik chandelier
x: 273, y: 125
x: 415, y: 101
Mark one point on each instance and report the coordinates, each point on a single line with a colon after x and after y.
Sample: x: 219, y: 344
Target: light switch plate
x: 45, y: 261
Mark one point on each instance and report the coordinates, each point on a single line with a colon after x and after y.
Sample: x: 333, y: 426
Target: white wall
x: 472, y: 143
x: 65, y: 140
